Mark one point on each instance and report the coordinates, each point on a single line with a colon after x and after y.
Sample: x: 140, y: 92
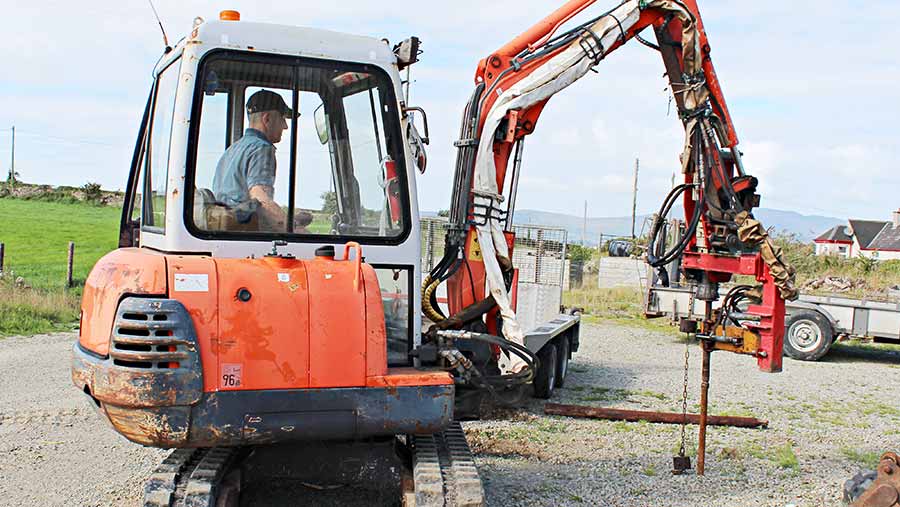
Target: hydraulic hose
x: 522, y: 377
x: 670, y: 255
x: 428, y: 288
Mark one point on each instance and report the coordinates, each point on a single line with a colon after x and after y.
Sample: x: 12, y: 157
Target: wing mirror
x: 321, y: 120
x: 416, y: 141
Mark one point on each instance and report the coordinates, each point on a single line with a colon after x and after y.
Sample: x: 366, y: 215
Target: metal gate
x: 539, y: 253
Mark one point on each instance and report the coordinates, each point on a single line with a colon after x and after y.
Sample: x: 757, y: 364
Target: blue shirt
x: 249, y: 162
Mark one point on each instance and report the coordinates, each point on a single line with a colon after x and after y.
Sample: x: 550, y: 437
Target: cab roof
x: 291, y: 40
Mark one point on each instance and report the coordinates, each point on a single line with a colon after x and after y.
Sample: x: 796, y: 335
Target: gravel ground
x: 825, y: 419
x: 830, y: 416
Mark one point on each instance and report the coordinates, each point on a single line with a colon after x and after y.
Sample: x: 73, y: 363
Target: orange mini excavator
x: 265, y: 296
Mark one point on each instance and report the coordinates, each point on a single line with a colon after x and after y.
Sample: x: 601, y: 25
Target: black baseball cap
x: 267, y: 100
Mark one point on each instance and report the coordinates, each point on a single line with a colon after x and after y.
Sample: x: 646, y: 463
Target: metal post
x: 704, y: 402
x: 584, y: 226
x: 564, y: 273
x: 539, y: 257
x: 637, y: 164
x: 12, y: 163
x: 70, y: 264
x: 2, y: 248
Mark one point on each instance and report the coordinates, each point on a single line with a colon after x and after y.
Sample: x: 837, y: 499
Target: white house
x: 862, y: 238
x: 834, y: 241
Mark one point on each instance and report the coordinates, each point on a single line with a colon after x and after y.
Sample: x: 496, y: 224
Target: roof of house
x: 887, y: 239
x: 866, y: 231
x: 837, y: 234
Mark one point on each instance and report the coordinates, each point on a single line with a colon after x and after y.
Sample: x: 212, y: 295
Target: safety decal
x: 191, y: 283
x: 284, y: 277
x: 475, y: 249
x: 231, y: 375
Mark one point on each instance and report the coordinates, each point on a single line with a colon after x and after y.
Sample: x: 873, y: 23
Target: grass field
x: 36, y: 235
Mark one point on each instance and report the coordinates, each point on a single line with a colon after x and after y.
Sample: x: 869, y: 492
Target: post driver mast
x: 512, y: 87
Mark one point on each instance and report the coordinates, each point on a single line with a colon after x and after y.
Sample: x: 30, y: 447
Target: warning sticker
x: 231, y: 375
x: 474, y: 249
x: 284, y: 277
x: 191, y: 283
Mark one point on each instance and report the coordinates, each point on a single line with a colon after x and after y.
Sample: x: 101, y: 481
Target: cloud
x: 816, y: 108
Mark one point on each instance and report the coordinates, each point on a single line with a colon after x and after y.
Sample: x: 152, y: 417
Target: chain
x: 684, y: 394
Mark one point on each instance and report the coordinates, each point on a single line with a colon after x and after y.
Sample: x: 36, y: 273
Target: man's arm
x: 261, y: 186
x: 271, y: 215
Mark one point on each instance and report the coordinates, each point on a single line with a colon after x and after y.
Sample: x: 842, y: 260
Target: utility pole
x: 12, y: 164
x: 637, y: 165
x: 584, y: 226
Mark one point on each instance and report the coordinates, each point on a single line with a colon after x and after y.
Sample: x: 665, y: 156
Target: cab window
x: 152, y: 198
x: 296, y: 147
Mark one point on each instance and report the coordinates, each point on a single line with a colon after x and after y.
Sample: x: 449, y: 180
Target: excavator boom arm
x: 514, y: 84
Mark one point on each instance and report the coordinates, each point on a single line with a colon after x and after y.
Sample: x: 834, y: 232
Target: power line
x: 69, y: 140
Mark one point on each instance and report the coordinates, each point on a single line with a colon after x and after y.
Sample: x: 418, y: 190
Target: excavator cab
x: 214, y: 324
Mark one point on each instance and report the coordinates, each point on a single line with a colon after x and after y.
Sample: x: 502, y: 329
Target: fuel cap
x: 325, y: 251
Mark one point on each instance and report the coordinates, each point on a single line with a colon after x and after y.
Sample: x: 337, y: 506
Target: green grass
x: 784, y: 457
x: 620, y: 305
x: 36, y: 235
x: 869, y: 460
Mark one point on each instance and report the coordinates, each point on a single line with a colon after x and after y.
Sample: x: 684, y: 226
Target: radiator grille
x: 152, y: 334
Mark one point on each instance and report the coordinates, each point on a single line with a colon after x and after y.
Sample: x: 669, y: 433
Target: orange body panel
x: 202, y: 306
x: 400, y: 377
x: 337, y: 325
x: 123, y: 272
x: 261, y: 324
x: 264, y: 341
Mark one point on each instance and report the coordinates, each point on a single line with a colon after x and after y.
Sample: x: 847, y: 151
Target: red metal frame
x: 492, y: 71
x: 771, y: 311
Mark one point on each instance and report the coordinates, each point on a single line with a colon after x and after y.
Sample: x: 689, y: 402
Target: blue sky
x: 812, y: 87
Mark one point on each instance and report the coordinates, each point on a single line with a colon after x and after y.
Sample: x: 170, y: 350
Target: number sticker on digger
x: 230, y: 375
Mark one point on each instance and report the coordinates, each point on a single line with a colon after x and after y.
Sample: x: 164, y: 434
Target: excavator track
x: 443, y: 475
x: 192, y: 478
x: 444, y: 472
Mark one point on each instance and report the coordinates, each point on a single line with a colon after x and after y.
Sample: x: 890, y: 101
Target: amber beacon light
x: 230, y: 16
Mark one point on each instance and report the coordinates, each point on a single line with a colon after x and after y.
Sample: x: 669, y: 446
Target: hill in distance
x: 805, y: 227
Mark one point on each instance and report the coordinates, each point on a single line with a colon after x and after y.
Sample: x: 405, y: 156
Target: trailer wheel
x: 562, y: 360
x: 808, y: 335
x: 545, y: 377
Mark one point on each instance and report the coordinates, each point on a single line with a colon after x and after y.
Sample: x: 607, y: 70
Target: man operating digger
x: 245, y: 175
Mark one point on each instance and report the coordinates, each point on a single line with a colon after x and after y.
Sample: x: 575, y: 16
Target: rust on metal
x: 704, y: 408
x: 614, y: 414
x: 885, y: 491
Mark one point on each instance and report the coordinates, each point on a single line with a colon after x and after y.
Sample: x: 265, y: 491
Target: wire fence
x: 538, y: 252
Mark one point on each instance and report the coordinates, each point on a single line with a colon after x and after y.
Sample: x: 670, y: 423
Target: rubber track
x: 444, y: 471
x: 189, y: 477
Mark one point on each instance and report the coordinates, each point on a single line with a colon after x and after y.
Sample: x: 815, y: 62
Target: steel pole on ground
x: 70, y: 264
x: 2, y: 247
x: 615, y: 414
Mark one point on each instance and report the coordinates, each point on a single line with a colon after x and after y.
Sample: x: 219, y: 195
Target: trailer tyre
x: 807, y: 336
x: 562, y: 360
x: 545, y: 378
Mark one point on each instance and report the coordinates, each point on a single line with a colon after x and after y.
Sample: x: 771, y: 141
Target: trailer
x: 541, y: 276
x: 812, y: 324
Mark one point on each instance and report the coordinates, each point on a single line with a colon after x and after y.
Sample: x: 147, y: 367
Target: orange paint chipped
x: 121, y: 272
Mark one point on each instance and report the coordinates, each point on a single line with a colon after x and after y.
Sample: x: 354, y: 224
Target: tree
x: 329, y: 202
x: 444, y: 213
x: 580, y: 253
